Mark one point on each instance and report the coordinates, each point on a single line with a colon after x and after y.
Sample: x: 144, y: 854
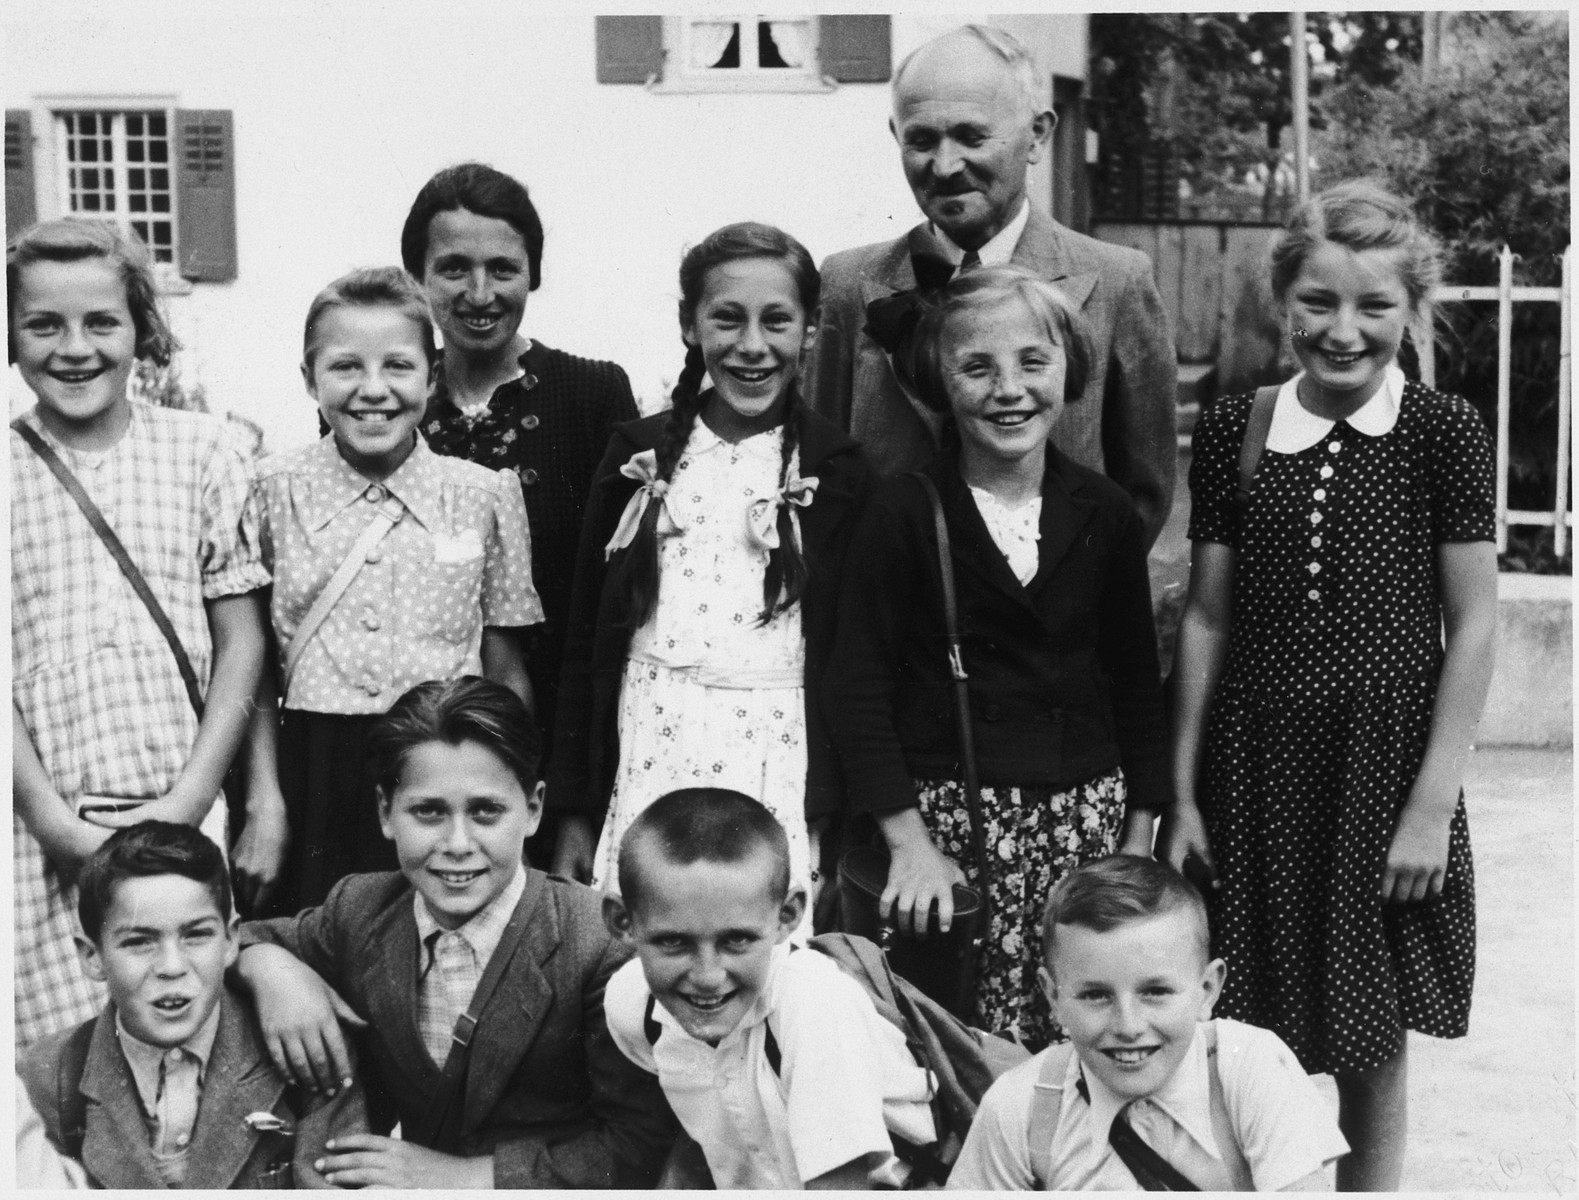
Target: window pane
x: 156, y: 125
x: 161, y: 202
x: 715, y: 45
x: 134, y: 124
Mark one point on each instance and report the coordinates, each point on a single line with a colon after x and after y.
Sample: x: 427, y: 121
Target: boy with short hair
x: 1132, y: 982
x: 777, y: 1064
x: 170, y: 1086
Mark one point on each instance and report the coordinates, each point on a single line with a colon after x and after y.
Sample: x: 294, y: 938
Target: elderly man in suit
x: 970, y: 120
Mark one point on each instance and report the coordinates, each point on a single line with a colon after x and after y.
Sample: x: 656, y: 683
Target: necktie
x: 970, y: 262
x: 1150, y: 1169
x: 176, y: 1111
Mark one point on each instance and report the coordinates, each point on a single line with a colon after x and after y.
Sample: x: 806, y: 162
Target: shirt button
x: 375, y: 555
x: 1315, y: 518
x: 374, y: 494
x: 1321, y: 493
x: 1315, y: 542
x: 1313, y: 594
x: 1326, y: 472
x: 529, y: 421
x: 1334, y: 447
x: 370, y: 620
x: 183, y: 1139
x: 528, y: 382
x: 529, y: 477
x: 372, y: 689
x: 1314, y: 568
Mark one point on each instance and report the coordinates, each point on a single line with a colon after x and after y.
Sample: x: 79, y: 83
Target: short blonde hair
x: 372, y: 287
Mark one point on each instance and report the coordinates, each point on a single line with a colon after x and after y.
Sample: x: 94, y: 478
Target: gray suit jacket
x: 1122, y: 425
x: 239, y: 1080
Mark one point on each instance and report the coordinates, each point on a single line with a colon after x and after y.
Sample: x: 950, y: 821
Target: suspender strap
x: 1046, y: 1107
x: 1251, y: 448
x: 385, y: 518
x: 962, y: 718
x: 770, y: 1044
x: 441, y: 1124
x: 118, y: 552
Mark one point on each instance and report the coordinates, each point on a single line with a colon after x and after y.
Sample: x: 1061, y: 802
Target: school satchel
x: 941, y: 965
x: 962, y: 1062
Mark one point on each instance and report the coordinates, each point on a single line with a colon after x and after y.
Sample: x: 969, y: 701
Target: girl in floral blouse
x: 702, y: 605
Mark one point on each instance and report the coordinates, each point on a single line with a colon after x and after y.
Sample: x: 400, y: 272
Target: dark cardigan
x: 586, y: 742
x: 1063, y: 672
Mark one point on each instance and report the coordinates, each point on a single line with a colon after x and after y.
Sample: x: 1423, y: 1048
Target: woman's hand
x: 299, y: 1015
x: 258, y: 857
x: 68, y: 847
x: 1182, y: 844
x: 919, y: 875
x: 1417, y: 856
x: 176, y: 807
x: 367, y: 1160
x: 574, y: 848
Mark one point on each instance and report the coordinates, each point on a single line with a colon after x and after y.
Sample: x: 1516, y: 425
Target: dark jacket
x: 225, y: 1153
x: 1063, y: 673
x: 548, y: 1094
x: 586, y: 746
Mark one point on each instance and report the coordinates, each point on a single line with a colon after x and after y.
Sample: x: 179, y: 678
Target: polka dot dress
x: 1320, y: 723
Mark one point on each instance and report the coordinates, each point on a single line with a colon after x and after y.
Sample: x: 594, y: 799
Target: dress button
x: 992, y: 712
x: 374, y: 494
x: 529, y: 477
x: 1315, y: 518
x: 529, y: 421
x: 371, y: 621
x: 371, y: 688
x: 528, y: 382
x: 1334, y: 447
x: 1321, y: 493
x: 1326, y: 472
x: 1314, y: 568
x: 1313, y: 594
x: 375, y: 555
x: 183, y: 1139
x: 1315, y: 542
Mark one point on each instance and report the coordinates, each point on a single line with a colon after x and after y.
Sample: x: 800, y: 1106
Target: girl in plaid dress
x: 100, y: 715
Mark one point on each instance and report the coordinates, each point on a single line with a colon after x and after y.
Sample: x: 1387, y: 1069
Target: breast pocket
x: 450, y: 598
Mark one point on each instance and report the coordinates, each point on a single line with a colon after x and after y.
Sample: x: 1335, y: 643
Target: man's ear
x: 1042, y: 125
x: 92, y: 964
x: 617, y: 919
x: 1212, y: 978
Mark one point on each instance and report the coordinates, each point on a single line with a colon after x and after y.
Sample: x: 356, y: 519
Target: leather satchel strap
x: 441, y: 1122
x: 118, y: 552
x: 1251, y: 449
x: 962, y: 718
x: 384, y: 518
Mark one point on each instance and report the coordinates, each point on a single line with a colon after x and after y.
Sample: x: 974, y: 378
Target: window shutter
x: 20, y: 204
x: 855, y: 49
x: 206, y: 194
x: 630, y: 49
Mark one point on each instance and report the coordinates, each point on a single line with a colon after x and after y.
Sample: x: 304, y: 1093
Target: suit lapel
x: 509, y: 1022
x: 970, y: 542
x: 239, y: 1080
x: 115, y: 1149
x: 389, y: 981
x: 1041, y: 249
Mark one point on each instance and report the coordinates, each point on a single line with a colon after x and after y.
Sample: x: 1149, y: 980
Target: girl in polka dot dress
x: 703, y: 600
x: 1322, y: 725
x: 392, y: 566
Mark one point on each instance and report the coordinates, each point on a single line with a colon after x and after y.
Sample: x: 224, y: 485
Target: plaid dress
x: 93, y: 679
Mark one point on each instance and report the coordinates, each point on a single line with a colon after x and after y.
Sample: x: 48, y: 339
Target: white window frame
x: 50, y: 167
x: 679, y: 76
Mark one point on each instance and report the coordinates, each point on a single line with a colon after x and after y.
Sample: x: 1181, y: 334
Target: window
x: 115, y: 166
x: 743, y: 52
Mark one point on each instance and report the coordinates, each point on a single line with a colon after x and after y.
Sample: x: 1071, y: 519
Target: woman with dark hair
x: 474, y: 240
x: 1049, y: 561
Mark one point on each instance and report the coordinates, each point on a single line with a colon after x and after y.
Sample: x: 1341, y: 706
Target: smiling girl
x: 101, y: 716
x: 392, y: 566
x: 1055, y: 618
x: 703, y: 602
x: 1323, y: 726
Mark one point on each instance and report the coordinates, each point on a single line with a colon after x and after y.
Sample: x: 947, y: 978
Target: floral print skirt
x: 1035, y: 836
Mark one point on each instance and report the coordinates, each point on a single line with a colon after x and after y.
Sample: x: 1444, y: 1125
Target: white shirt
x: 997, y: 251
x: 846, y: 1078
x: 1295, y: 428
x: 1284, y: 1128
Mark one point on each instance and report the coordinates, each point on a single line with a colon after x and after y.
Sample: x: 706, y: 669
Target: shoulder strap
x: 71, y: 1104
x: 118, y: 552
x: 1047, y: 1103
x: 962, y: 717
x: 1222, y: 1124
x: 441, y: 1123
x: 1250, y: 450
x: 384, y: 518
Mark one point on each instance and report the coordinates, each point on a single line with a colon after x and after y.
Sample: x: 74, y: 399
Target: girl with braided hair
x: 703, y: 603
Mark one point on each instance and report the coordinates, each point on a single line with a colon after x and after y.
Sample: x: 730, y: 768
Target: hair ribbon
x: 643, y: 467
x: 762, y: 517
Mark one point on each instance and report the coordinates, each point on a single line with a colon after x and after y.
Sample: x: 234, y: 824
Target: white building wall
x: 342, y: 111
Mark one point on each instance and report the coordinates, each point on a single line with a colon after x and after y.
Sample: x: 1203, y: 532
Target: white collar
x: 996, y: 252
x: 703, y: 440
x: 757, y: 1014
x: 1186, y: 1097
x: 1294, y: 428
x: 482, y: 930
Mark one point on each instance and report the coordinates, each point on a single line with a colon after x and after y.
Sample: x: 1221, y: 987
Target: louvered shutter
x: 20, y: 204
x: 856, y: 49
x: 206, y: 194
x: 630, y: 49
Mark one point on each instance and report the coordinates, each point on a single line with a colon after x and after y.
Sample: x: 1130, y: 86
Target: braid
x: 635, y: 572
x: 784, y: 581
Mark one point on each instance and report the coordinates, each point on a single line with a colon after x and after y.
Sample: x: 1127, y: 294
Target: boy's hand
x: 299, y: 1015
x: 367, y: 1160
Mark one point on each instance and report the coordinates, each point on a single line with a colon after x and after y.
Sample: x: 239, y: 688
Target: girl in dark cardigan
x: 1055, y: 616
x: 703, y: 602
